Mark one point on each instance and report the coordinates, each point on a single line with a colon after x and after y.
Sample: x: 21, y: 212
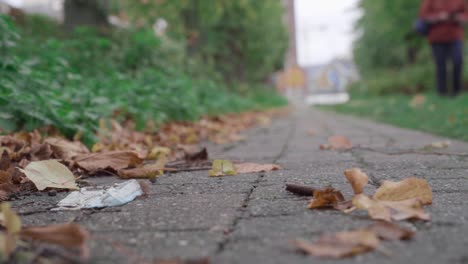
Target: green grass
x: 442, y: 116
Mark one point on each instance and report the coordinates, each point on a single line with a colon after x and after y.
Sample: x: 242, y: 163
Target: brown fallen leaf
x: 147, y: 171
x: 254, y: 167
x: 357, y: 179
x: 340, y: 245
x: 114, y: 160
x: 391, y: 210
x: 345, y: 206
x: 66, y: 150
x: 390, y: 231
x: 41, y: 152
x: 326, y: 198
x: 404, y: 190
x: 69, y: 235
x: 50, y: 174
x: 339, y: 143
x: 201, y: 155
x: 417, y: 101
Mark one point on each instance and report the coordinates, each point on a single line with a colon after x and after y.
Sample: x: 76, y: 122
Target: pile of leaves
x: 392, y: 202
x: 30, y: 160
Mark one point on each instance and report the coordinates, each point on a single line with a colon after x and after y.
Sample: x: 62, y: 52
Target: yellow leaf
x: 222, y: 168
x: 12, y: 224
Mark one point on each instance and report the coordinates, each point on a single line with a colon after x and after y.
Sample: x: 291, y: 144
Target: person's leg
x: 456, y: 55
x: 439, y: 51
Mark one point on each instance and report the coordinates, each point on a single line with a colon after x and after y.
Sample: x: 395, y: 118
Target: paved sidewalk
x: 250, y: 218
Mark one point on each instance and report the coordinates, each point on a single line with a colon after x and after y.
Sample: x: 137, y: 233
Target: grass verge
x: 428, y: 112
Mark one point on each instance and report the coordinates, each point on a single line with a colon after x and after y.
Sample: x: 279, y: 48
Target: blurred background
x: 68, y: 63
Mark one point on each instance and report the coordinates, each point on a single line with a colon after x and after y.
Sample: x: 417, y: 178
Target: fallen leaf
x: 337, y: 143
x: 69, y: 235
x: 147, y: 171
x: 438, y: 145
x: 5, y: 161
x: 41, y: 152
x: 390, y: 231
x: 158, y: 152
x: 340, y: 245
x: 50, y: 174
x: 222, y: 168
x: 12, y: 224
x: 357, y: 179
x: 404, y: 190
x: 10, y: 220
x: 391, y: 210
x: 345, y: 206
x: 254, y: 168
x: 326, y: 198
x: 114, y: 160
x: 201, y: 155
x: 66, y: 150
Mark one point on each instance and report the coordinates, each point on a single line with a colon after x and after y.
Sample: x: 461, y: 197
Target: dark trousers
x: 443, y: 52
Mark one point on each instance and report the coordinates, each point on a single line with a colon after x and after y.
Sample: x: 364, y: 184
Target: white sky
x: 324, y: 29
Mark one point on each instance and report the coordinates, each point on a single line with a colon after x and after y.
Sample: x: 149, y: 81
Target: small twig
x: 300, y: 190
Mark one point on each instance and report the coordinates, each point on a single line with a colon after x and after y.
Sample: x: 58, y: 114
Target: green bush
x: 71, y: 81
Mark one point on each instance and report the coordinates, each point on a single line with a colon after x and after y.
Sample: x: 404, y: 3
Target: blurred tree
x: 85, y: 12
x: 244, y: 39
x: 386, y: 37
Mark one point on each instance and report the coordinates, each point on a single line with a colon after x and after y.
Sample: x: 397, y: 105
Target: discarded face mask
x: 119, y: 194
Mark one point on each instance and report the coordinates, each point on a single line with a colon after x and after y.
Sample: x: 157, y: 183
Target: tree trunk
x: 85, y: 13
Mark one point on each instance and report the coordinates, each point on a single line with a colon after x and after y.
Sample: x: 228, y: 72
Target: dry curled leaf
x: 391, y: 210
x: 69, y: 235
x: 357, y: 179
x: 66, y: 150
x: 222, y: 168
x: 326, y: 198
x: 407, y: 189
x: 340, y: 245
x: 339, y: 142
x: 391, y: 231
x: 114, y: 160
x: 50, y: 174
x: 147, y: 171
x: 254, y: 167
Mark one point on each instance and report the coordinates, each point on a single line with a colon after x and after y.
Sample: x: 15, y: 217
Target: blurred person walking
x: 445, y: 19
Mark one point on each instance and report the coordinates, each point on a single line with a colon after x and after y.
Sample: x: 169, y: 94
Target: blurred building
x: 327, y: 84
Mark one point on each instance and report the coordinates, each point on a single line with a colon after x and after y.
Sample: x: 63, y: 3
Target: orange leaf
x: 357, y: 179
x: 326, y: 198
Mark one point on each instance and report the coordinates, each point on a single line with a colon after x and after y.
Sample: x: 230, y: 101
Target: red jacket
x: 448, y: 30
